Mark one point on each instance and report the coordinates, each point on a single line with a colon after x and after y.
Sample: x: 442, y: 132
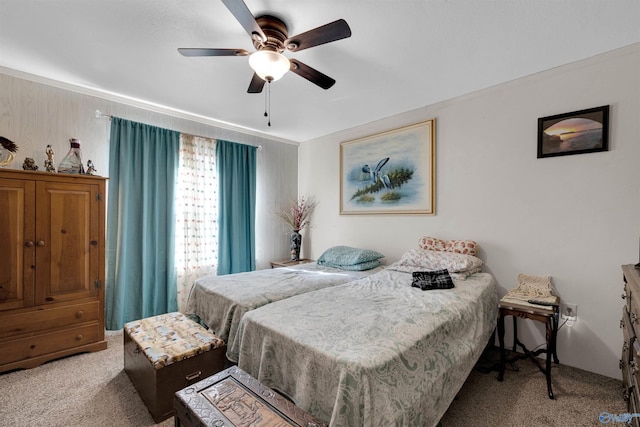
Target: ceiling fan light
x: 269, y: 65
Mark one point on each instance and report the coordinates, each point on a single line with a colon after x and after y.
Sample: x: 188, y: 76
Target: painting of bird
x: 375, y: 173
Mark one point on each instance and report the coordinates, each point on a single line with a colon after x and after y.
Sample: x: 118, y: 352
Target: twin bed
x: 374, y: 351
x: 221, y: 301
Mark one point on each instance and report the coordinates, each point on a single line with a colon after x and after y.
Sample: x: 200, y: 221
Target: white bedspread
x: 375, y: 352
x: 221, y: 301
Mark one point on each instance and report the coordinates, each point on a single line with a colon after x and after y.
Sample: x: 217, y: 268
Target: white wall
x: 33, y: 114
x: 575, y: 218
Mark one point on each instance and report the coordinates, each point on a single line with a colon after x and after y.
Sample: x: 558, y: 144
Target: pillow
x: 367, y: 265
x: 467, y: 247
x: 459, y: 265
x: 431, y: 244
x: 345, y: 255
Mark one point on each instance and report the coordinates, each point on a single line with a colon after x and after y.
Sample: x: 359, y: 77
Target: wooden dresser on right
x: 630, y: 324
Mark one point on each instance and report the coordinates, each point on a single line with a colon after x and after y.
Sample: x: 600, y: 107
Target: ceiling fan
x: 270, y: 38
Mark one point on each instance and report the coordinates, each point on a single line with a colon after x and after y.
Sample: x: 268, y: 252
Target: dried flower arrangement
x: 297, y: 216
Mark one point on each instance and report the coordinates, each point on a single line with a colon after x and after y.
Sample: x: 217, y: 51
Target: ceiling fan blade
x: 188, y: 51
x: 256, y: 84
x: 244, y: 16
x: 314, y: 76
x: 330, y: 32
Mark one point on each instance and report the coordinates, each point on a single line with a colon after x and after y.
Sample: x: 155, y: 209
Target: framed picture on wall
x: 389, y: 173
x: 584, y: 131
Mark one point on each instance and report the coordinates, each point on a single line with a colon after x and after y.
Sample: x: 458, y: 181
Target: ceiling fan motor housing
x: 276, y: 32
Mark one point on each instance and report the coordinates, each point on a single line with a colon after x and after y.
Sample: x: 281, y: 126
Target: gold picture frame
x: 392, y: 172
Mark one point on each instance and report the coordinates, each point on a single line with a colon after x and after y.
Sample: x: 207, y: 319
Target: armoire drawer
x: 38, y: 345
x: 38, y: 320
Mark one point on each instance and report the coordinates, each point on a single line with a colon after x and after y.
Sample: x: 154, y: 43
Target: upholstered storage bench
x: 165, y: 353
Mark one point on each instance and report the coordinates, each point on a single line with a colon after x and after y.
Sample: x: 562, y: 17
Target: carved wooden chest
x: 234, y: 398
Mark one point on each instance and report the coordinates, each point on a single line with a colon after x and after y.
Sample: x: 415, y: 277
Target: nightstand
x: 288, y: 262
x: 545, y: 314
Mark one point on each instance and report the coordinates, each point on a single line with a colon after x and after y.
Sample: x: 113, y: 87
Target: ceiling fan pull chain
x: 265, y: 105
x: 269, y: 102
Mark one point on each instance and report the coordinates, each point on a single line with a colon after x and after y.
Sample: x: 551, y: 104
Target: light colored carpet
x: 89, y: 389
x: 521, y: 400
x: 92, y: 389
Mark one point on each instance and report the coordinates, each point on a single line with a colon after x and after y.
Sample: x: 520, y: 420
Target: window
x: 196, y: 213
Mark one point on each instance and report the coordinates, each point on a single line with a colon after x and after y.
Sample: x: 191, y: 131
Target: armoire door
x: 67, y: 235
x: 17, y: 247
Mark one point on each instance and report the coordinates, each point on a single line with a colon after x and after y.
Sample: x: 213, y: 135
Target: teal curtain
x: 236, y: 207
x: 141, y: 276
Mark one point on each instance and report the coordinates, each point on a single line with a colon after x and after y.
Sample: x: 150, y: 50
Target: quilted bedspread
x: 375, y: 352
x: 221, y: 301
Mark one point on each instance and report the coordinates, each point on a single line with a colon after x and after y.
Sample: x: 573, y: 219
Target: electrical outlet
x: 569, y: 311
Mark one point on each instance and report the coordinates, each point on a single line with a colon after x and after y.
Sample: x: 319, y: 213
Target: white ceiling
x: 402, y: 54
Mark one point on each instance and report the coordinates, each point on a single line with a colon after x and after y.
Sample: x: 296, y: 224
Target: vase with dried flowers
x: 297, y: 217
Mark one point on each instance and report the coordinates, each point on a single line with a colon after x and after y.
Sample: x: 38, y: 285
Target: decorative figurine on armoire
x: 7, y: 150
x: 48, y: 164
x: 90, y: 168
x: 29, y: 164
x: 72, y: 163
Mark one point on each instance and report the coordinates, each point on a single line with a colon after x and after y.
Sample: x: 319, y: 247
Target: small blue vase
x: 296, y: 243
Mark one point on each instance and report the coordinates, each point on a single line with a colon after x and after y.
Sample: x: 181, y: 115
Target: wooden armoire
x: 52, y: 253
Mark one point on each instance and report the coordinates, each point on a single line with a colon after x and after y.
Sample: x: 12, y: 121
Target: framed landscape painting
x: 389, y: 173
x: 584, y: 131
